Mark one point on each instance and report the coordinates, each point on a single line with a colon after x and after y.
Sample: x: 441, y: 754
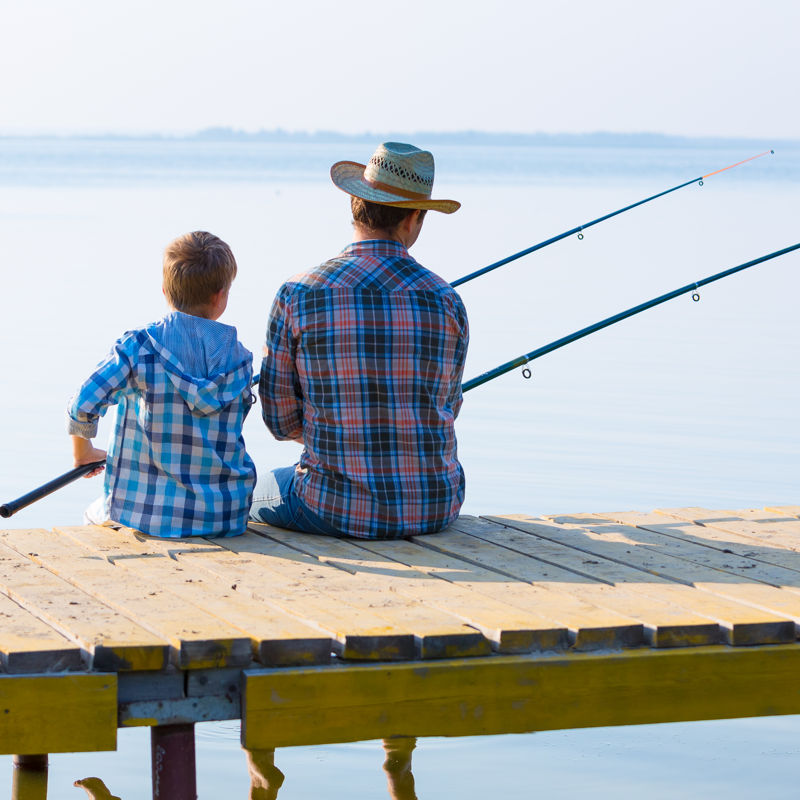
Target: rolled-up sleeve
x: 279, y: 386
x: 99, y: 391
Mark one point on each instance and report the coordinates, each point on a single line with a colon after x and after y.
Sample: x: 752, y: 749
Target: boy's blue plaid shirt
x: 177, y: 464
x: 364, y: 360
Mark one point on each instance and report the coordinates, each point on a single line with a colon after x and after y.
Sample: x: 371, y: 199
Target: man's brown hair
x: 376, y: 216
x: 197, y: 265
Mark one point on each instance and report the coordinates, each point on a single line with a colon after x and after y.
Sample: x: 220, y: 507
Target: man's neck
x: 362, y: 234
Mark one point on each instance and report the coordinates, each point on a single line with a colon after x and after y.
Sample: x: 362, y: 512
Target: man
x: 363, y: 364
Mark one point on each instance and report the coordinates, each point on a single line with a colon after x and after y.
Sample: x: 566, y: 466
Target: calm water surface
x: 686, y: 404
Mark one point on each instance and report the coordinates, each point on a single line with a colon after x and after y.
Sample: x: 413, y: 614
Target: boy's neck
x: 213, y: 310
x: 203, y: 314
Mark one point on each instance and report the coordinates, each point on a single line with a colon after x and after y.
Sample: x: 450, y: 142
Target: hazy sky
x: 689, y: 67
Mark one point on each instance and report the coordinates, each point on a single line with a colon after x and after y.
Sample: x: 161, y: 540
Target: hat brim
x: 349, y: 177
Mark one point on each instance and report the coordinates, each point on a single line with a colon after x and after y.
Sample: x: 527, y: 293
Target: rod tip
x: 5, y: 512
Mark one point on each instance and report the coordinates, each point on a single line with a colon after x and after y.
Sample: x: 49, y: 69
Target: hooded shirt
x: 177, y: 464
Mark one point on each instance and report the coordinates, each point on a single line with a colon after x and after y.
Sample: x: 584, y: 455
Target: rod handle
x: 48, y: 488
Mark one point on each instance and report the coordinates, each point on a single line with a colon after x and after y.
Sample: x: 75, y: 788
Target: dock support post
x: 173, y: 762
x: 30, y: 778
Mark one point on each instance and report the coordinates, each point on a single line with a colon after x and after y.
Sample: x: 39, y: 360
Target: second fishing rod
x: 525, y: 359
x: 580, y: 228
x: 8, y: 509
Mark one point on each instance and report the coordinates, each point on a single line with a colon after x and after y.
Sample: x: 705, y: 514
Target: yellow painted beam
x: 64, y: 713
x: 515, y: 694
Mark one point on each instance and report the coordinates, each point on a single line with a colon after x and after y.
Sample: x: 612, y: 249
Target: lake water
x: 686, y: 404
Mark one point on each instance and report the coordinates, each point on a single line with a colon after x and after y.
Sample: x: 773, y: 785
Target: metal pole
x: 30, y: 778
x: 173, y: 762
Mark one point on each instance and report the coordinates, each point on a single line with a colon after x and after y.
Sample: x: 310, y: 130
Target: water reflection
x: 398, y: 767
x: 266, y: 779
x: 30, y: 778
x: 96, y: 789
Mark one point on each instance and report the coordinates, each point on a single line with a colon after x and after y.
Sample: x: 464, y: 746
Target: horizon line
x: 454, y: 136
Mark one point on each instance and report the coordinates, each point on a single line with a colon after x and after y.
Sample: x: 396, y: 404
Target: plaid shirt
x: 176, y: 465
x: 363, y: 361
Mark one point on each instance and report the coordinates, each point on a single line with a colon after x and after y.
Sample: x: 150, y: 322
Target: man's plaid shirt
x: 177, y: 464
x: 364, y: 359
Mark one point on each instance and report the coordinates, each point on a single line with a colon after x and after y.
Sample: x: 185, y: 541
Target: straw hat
x: 398, y: 175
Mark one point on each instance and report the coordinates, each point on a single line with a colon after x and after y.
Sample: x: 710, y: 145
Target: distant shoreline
x: 596, y: 139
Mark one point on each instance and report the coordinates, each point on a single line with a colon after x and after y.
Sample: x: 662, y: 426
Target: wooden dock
x: 496, y: 625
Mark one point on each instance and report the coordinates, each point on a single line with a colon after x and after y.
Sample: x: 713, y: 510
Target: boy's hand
x: 84, y: 452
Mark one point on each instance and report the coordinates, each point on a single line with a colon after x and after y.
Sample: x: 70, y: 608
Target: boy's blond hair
x: 197, y: 265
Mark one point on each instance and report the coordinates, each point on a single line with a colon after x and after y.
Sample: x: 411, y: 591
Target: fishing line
x: 579, y: 230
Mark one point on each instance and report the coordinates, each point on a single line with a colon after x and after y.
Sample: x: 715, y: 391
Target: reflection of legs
x: 265, y: 777
x: 398, y: 767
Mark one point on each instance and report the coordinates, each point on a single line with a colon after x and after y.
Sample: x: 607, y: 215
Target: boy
x: 177, y: 464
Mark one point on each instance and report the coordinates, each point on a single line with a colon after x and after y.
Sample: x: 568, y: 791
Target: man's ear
x: 411, y: 220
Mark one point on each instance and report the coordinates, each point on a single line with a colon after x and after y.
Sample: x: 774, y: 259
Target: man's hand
x: 84, y: 452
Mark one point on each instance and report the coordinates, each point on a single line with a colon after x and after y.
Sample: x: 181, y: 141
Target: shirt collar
x: 376, y: 247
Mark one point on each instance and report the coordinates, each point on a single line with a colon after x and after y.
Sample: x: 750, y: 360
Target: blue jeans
x: 276, y: 503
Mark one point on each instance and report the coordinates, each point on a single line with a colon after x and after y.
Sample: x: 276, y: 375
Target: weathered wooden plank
x: 610, y: 584
x: 202, y: 682
x: 196, y: 643
x: 508, y: 629
x: 111, y: 640
x: 709, y: 546
x: 493, y: 589
x: 589, y: 627
x: 702, y: 514
x: 741, y: 624
x: 151, y: 685
x: 758, y: 525
x: 437, y: 634
x: 29, y: 645
x: 775, y: 607
x: 726, y: 541
x: 64, y: 713
x: 514, y: 694
x: 179, y: 711
x: 174, y: 698
x: 557, y: 583
x: 789, y: 511
x: 278, y: 639
x: 356, y: 634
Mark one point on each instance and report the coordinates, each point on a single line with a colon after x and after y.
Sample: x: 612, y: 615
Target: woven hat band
x: 386, y: 187
x: 397, y: 174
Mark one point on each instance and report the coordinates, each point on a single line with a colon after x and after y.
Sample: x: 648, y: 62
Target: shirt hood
x: 203, y: 358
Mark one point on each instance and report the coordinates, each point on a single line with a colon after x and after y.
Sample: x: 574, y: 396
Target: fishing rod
x: 48, y: 488
x: 579, y: 230
x: 57, y: 483
x: 548, y: 348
